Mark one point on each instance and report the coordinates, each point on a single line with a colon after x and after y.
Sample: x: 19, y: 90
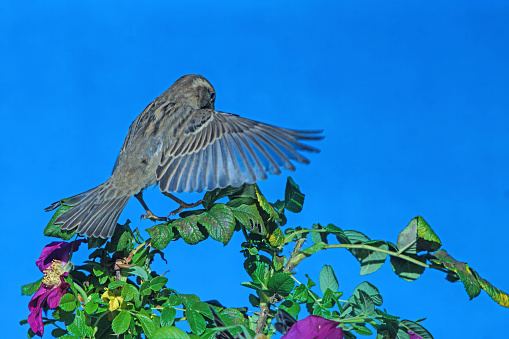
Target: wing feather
x: 216, y: 149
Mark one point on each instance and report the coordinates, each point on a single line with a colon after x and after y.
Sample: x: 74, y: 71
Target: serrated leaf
x: 265, y: 205
x: 30, y: 289
x: 277, y: 238
x: 145, y: 288
x: 294, y: 198
x: 146, y: 324
x: 174, y: 300
x: 116, y: 283
x: 214, y: 195
x: 128, y: 292
x: 78, y: 327
x: 301, y: 293
x: 407, y: 270
x: 56, y: 231
x: 90, y: 307
x: 189, y: 230
x: 158, y: 283
x: 68, y: 302
x: 370, y: 290
x: 125, y: 242
x: 250, y: 218
x: 160, y: 235
x: 417, y: 329
x: 496, y: 294
x: 135, y: 270
x: 219, y: 222
x: 371, y: 261
x: 317, y: 237
x: 366, y: 304
x: 327, y: 279
x: 121, y: 322
x: 169, y: 332
x: 470, y: 282
x: 428, y: 240
x: 203, y: 308
x: 281, y: 283
x: 196, y: 321
x: 168, y: 316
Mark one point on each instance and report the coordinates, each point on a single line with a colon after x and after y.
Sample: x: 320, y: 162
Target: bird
x: 180, y: 143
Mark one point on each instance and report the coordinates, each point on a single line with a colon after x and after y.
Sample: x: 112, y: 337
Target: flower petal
x: 35, y: 307
x: 315, y: 327
x: 57, y: 250
x: 56, y: 294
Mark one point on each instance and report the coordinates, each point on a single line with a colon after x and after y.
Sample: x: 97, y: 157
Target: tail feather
x: 94, y: 212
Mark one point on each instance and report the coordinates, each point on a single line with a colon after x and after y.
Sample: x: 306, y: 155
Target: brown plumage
x: 182, y: 144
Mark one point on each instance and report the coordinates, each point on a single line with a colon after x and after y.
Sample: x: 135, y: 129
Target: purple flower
x: 315, y: 327
x: 413, y: 335
x: 53, y: 263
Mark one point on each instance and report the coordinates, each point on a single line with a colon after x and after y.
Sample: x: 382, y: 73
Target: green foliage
x: 116, y: 293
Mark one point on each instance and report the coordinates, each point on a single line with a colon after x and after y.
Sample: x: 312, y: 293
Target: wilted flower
x: 315, y: 327
x: 53, y: 262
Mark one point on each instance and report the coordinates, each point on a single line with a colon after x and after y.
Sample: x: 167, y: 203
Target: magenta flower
x: 53, y: 263
x: 413, y: 335
x: 315, y: 327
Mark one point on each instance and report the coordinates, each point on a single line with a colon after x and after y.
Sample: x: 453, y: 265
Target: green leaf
x: 219, y: 222
x: 158, y: 283
x: 277, y: 238
x: 174, y: 300
x: 254, y: 300
x: 370, y: 290
x: 145, y: 288
x: 90, y: 307
x: 99, y: 270
x: 371, y: 261
x: 146, y: 324
x: 56, y: 231
x: 78, y: 327
x: 367, y: 305
x: 168, y: 316
x: 327, y: 279
x: 169, y: 332
x: 30, y: 289
x: 121, y: 322
x: 362, y: 330
x: 196, y: 321
x: 417, y: 329
x: 407, y: 270
x: 418, y: 236
x: 294, y: 198
x: 129, y: 292
x: 189, y: 230
x: 427, y: 239
x: 117, y: 283
x: 212, y: 196
x: 250, y: 218
x: 160, y: 235
x: 203, y: 308
x: 317, y: 237
x: 301, y: 293
x: 291, y: 307
x: 281, y: 283
x: 126, y: 242
x: 68, y: 302
x: 355, y: 237
x: 265, y: 205
x: 135, y: 270
x: 501, y: 297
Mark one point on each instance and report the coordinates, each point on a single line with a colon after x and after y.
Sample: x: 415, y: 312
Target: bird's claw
x: 153, y: 217
x: 184, y: 205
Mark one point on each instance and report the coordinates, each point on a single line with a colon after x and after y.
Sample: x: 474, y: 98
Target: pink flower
x: 315, y: 327
x: 53, y: 263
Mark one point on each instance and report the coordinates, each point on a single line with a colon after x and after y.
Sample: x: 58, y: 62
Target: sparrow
x: 182, y: 144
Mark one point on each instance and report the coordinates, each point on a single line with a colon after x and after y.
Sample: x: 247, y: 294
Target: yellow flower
x: 113, y: 298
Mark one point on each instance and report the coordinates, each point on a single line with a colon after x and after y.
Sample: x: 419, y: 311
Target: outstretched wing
x: 216, y: 149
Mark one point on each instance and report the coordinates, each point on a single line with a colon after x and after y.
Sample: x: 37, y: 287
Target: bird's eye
x: 212, y: 96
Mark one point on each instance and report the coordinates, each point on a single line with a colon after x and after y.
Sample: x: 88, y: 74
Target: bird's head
x: 194, y: 90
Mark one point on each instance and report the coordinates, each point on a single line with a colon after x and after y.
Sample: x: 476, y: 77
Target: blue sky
x: 412, y: 97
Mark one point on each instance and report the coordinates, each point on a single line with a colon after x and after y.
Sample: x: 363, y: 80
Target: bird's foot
x: 184, y: 205
x: 153, y: 217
